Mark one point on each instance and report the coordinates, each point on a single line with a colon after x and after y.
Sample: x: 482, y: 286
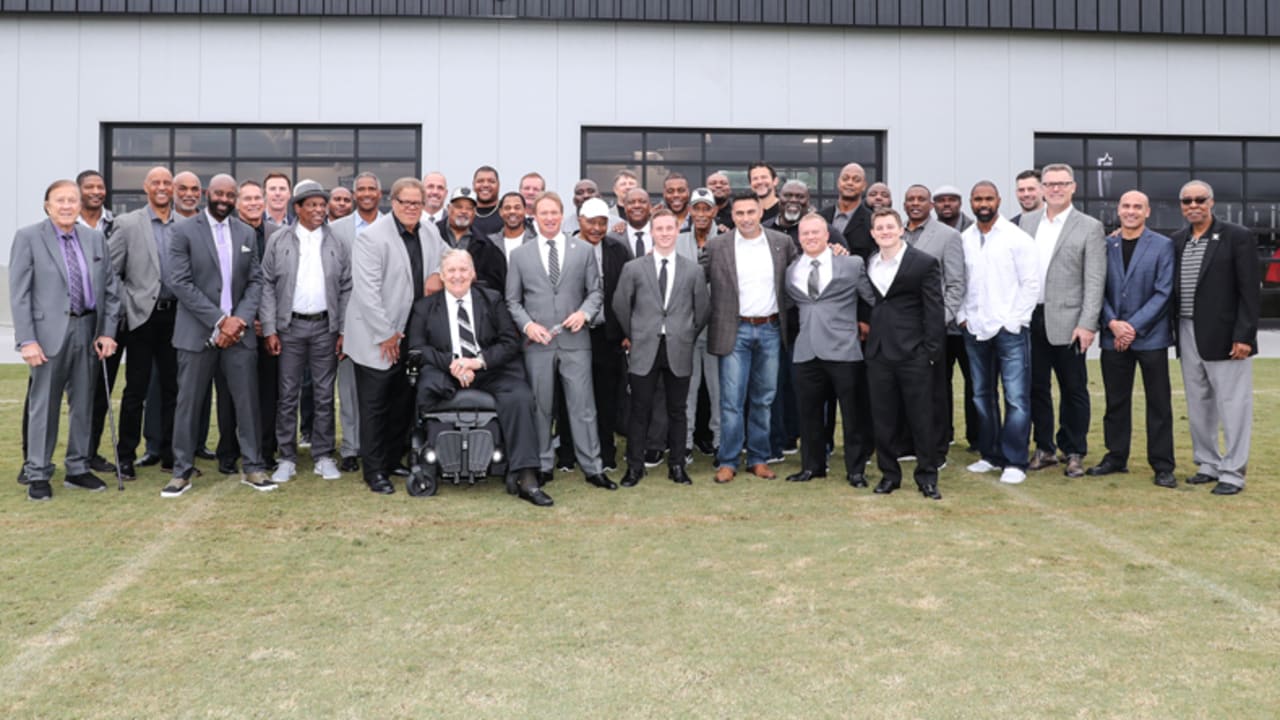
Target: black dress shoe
x: 349, y: 464
x: 126, y: 470
x: 166, y: 464
x: 1201, y: 479
x: 147, y: 460
x: 857, y: 480
x: 602, y: 481
x: 1227, y: 489
x: 886, y: 486
x: 544, y: 477
x: 206, y: 454
x: 1106, y: 467
x: 633, y: 476
x: 22, y: 474
x: 228, y: 468
x: 930, y: 490
x: 97, y: 463
x: 1166, y: 480
x: 85, y: 481
x: 400, y: 470
x: 679, y: 475
x: 804, y: 476
x: 380, y: 484
x: 706, y: 447
x: 536, y: 496
x: 39, y: 490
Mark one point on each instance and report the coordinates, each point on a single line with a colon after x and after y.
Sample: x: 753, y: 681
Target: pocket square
x: 245, y: 248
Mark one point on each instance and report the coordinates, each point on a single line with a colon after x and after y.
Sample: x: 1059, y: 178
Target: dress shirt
x: 840, y: 220
x: 104, y: 221
x: 435, y: 217
x: 308, y: 292
x: 757, y: 296
x: 647, y: 238
x: 360, y: 224
x: 800, y: 274
x: 161, y: 231
x: 225, y: 248
x: 454, y: 340
x: 543, y: 251
x: 1047, y: 234
x: 72, y: 253
x: 597, y: 249
x: 882, y: 271
x: 1003, y: 280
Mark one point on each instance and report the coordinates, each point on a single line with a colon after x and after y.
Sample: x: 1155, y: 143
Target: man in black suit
x: 905, y: 341
x: 849, y: 217
x: 1216, y: 298
x: 468, y: 340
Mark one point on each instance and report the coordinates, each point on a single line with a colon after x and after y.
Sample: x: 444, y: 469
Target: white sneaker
x: 907, y: 458
x: 981, y: 466
x: 284, y: 471
x: 1012, y: 476
x: 327, y: 469
x: 942, y: 464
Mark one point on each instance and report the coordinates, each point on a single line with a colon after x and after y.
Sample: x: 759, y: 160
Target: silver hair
x: 1058, y: 167
x: 1198, y: 183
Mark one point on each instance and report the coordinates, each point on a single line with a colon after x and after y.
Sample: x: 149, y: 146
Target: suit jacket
x: 489, y: 260
x: 907, y: 321
x: 639, y: 307
x: 382, y: 292
x: 1077, y: 276
x: 1227, y: 299
x: 195, y: 276
x: 136, y: 260
x: 719, y: 259
x: 613, y: 256
x: 531, y: 297
x: 495, y: 332
x: 1140, y: 294
x: 829, y: 325
x: 944, y: 244
x: 39, y: 294
x: 857, y: 233
x: 280, y: 278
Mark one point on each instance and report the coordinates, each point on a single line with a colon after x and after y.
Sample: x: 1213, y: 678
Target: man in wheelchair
x: 467, y: 340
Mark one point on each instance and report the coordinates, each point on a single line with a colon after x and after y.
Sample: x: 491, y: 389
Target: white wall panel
x: 10, y: 193
x: 285, y: 93
x: 1146, y: 92
x: 1088, y: 84
x: 1193, y: 69
x: 981, y: 124
x: 48, y: 117
x: 754, y: 58
x: 702, y: 91
x: 109, y: 89
x: 230, y: 73
x: 467, y: 125
x: 921, y: 141
x: 813, y: 77
x: 525, y: 101
x: 586, y: 94
x: 1245, y: 87
x: 169, y: 72
x: 645, y: 65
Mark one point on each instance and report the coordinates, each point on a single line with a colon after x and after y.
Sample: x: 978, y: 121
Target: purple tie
x: 224, y: 258
x: 75, y: 282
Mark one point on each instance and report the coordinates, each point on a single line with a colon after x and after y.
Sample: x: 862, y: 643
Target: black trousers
x: 152, y: 342
x: 958, y: 355
x: 644, y: 388
x: 902, y: 393
x: 1067, y: 365
x: 816, y: 381
x: 386, y: 417
x: 268, y: 393
x: 1117, y: 424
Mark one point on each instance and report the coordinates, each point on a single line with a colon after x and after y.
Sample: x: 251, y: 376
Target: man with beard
x: 485, y: 185
x: 514, y: 231
x: 675, y: 196
x: 795, y: 205
x: 94, y: 215
x: 946, y: 205
x: 341, y: 203
x: 459, y: 232
x: 216, y: 277
x: 583, y: 190
x: 879, y: 196
x: 437, y: 188
x: 849, y: 217
x: 764, y: 183
x: 706, y: 367
x: 278, y: 188
x: 1030, y: 193
x: 186, y: 194
x: 718, y: 184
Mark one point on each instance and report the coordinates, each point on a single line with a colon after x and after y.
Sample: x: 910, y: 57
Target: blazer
x: 1227, y: 299
x: 39, y: 295
x: 857, y: 233
x: 195, y: 276
x: 495, y: 332
x: 613, y: 256
x: 1140, y: 294
x: 829, y: 325
x: 943, y: 243
x: 907, y: 321
x: 719, y: 259
x: 280, y: 278
x: 136, y: 259
x: 382, y: 292
x: 531, y: 297
x: 639, y: 307
x: 488, y: 259
x: 1077, y: 275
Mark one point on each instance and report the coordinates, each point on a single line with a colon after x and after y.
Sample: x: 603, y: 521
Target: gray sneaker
x: 258, y: 481
x: 176, y: 487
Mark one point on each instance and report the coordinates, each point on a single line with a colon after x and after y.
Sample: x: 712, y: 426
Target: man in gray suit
x: 63, y: 294
x: 553, y: 289
x: 214, y: 272
x: 1073, y: 273
x: 662, y: 303
x: 306, y: 274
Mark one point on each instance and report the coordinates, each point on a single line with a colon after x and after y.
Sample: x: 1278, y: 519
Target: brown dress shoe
x: 1075, y: 466
x: 724, y: 474
x: 762, y: 471
x: 1041, y: 460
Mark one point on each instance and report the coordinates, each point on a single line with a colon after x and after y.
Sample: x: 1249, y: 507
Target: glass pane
x: 1106, y: 184
x: 806, y: 175
x: 326, y: 142
x: 1263, y: 215
x: 264, y: 142
x: 1166, y: 153
x: 1166, y: 216
x: 202, y: 142
x: 1104, y: 211
x: 123, y: 202
x: 1264, y: 185
x: 204, y: 169
x: 1219, y: 153
x: 1113, y: 152
x: 1229, y: 210
x: 389, y: 143
x: 1226, y: 185
x: 656, y: 175
x: 1163, y: 184
x: 129, y: 174
x: 327, y: 174
x: 140, y: 142
x: 794, y: 149
x: 1263, y: 153
x: 844, y: 149
x: 671, y: 147
x: 259, y: 170
x: 603, y: 174
x: 736, y: 148
x: 1059, y: 150
x: 388, y: 172
x: 613, y: 146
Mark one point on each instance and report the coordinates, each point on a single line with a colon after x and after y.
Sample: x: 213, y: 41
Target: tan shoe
x: 1075, y: 466
x: 1041, y: 460
x: 258, y: 481
x: 762, y: 471
x: 724, y: 474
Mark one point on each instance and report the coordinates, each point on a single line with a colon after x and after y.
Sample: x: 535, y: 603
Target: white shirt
x: 671, y: 278
x: 800, y: 274
x: 757, y: 296
x: 454, y: 340
x: 882, y: 271
x: 647, y: 238
x: 544, y: 252
x: 509, y: 244
x: 308, y: 289
x: 1003, y: 280
x: 1047, y: 234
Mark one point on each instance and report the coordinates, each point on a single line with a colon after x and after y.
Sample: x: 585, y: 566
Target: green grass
x: 1056, y: 599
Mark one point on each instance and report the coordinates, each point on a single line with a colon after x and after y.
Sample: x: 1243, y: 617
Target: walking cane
x: 111, y: 419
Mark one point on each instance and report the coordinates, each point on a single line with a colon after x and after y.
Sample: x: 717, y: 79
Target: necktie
x: 466, y: 338
x: 813, y: 280
x: 639, y: 243
x: 224, y: 259
x: 662, y: 282
x: 553, y: 263
x: 75, y: 281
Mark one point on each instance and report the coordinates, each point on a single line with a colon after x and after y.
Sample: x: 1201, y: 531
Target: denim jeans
x: 1008, y: 357
x: 748, y: 374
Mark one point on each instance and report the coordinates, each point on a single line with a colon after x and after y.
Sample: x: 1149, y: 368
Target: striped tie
x: 553, y: 263
x: 466, y: 338
x: 75, y: 281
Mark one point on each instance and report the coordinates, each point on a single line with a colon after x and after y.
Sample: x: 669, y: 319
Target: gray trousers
x: 706, y: 368
x: 1219, y: 393
x: 574, y: 367
x: 307, y: 343
x: 195, y: 372
x: 348, y: 409
x: 72, y: 370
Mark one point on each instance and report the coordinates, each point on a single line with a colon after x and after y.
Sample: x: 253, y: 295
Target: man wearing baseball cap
x: 459, y: 231
x: 946, y: 205
x: 703, y: 209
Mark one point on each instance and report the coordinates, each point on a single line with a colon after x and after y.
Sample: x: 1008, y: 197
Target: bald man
x: 850, y: 217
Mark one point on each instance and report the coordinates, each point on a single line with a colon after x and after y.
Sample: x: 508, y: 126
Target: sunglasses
x: 1201, y: 200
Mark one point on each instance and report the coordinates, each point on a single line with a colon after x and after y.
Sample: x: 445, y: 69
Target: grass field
x: 1054, y: 599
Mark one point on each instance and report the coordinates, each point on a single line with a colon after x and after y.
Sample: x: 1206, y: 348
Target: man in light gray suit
x: 553, y: 289
x: 662, y: 303
x: 214, y: 272
x: 63, y: 294
x: 1073, y: 271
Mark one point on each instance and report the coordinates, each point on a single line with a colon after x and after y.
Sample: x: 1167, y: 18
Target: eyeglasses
x: 1059, y: 184
x: 1200, y: 200
x: 411, y: 204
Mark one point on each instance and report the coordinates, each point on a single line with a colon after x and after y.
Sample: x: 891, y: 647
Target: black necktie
x: 75, y: 281
x: 466, y: 338
x: 639, y: 243
x: 553, y: 263
x: 813, y: 280
x: 662, y: 282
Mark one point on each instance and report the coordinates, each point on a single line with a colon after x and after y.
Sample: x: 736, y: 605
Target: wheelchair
x: 457, y: 441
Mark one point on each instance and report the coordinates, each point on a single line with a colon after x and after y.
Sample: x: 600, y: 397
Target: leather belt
x: 166, y: 305
x: 758, y: 320
x: 82, y: 313
x: 322, y: 315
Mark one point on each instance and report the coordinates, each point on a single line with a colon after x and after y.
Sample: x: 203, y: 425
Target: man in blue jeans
x: 746, y: 269
x: 1002, y: 286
